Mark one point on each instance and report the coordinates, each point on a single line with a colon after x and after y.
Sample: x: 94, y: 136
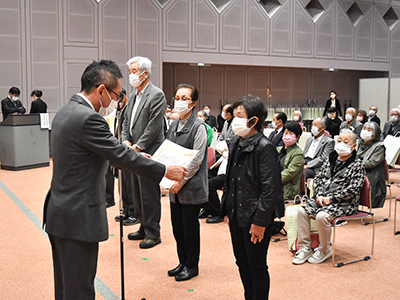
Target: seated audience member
x: 215, y: 183
x: 317, y: 149
x: 362, y: 116
x: 351, y: 122
x: 291, y: 160
x: 38, y: 106
x: 211, y: 120
x: 220, y: 121
x: 278, y: 122
x: 372, y: 115
x: 332, y: 122
x: 336, y: 193
x: 372, y: 152
x: 11, y: 105
x: 297, y: 117
x: 202, y: 116
x: 392, y: 127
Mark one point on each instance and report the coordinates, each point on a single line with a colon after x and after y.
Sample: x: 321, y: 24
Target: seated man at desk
x: 317, y: 149
x: 337, y: 190
x: 11, y: 105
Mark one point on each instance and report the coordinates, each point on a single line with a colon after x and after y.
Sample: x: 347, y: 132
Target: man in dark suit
x: 11, y: 104
x: 74, y: 214
x: 392, y: 127
x: 38, y: 106
x: 210, y: 120
x: 372, y: 115
x: 143, y: 129
x: 278, y: 122
x: 317, y: 149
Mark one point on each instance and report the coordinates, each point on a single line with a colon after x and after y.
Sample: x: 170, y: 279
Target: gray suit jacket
x: 324, y: 149
x: 81, y: 146
x: 356, y: 127
x: 148, y: 123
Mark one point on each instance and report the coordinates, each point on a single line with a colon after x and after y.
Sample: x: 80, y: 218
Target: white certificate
x: 171, y: 154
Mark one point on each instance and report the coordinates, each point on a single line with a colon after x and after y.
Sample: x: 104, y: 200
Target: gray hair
x: 376, y: 128
x: 143, y: 62
x: 353, y: 109
x: 352, y: 134
x: 396, y: 110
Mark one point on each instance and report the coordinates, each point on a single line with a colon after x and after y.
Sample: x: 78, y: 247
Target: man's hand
x: 322, y: 201
x: 176, y: 173
x: 128, y: 143
x: 257, y: 233
x: 176, y: 187
x: 305, y: 167
x: 134, y: 147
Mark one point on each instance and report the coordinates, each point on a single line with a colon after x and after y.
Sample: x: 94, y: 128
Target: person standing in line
x: 253, y: 195
x: 143, y: 130
x: 11, y: 105
x: 187, y: 196
x: 74, y: 213
x: 38, y: 106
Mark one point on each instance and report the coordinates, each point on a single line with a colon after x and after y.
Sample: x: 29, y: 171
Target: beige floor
x: 26, y: 268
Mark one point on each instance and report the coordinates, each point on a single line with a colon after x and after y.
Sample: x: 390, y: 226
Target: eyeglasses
x: 120, y: 95
x: 182, y: 99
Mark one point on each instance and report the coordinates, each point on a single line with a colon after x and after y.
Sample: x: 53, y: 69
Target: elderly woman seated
x: 337, y: 191
x: 291, y: 160
x: 372, y: 153
x: 297, y: 117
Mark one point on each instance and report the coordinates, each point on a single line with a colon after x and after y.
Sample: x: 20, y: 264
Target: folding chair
x: 395, y: 211
x: 365, y: 200
x: 388, y: 186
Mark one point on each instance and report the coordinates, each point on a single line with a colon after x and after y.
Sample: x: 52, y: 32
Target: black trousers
x: 147, y: 204
x: 110, y: 185
x: 214, y: 204
x: 308, y: 173
x: 75, y: 265
x: 186, y: 230
x: 251, y: 260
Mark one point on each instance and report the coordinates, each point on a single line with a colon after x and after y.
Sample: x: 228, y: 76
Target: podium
x: 23, y: 143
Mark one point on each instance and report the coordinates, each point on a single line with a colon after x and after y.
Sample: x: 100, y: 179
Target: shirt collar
x: 86, y: 99
x: 141, y: 93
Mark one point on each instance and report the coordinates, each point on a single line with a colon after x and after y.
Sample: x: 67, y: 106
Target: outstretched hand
x: 176, y: 173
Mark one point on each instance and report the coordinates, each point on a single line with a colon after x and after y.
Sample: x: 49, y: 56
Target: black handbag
x: 278, y: 228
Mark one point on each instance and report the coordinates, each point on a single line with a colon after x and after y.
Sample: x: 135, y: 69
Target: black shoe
x: 214, y: 220
x: 130, y: 221
x: 187, y: 273
x: 175, y: 271
x: 136, y: 236
x: 110, y: 204
x: 203, y: 214
x: 149, y: 243
x: 117, y: 218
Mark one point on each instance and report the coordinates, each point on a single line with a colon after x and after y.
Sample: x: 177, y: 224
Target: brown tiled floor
x: 26, y: 268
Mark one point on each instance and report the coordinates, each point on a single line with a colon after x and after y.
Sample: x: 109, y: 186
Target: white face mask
x: 366, y: 135
x: 330, y: 116
x: 333, y: 96
x: 349, y: 117
x: 15, y: 98
x: 359, y: 119
x: 343, y: 149
x: 314, y: 130
x: 223, y: 116
x: 32, y: 99
x: 201, y: 119
x: 394, y: 119
x: 273, y: 124
x: 371, y: 113
x: 207, y: 111
x: 105, y: 111
x: 168, y: 114
x: 239, y: 126
x: 296, y: 118
x: 182, y: 107
x: 134, y: 79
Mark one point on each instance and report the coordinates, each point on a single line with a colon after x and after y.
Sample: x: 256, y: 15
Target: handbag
x: 277, y: 227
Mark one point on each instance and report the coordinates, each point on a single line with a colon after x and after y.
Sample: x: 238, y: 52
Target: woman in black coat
x: 38, y: 106
x: 252, y: 195
x: 333, y: 102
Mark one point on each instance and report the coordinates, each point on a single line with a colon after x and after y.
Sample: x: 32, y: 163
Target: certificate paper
x: 170, y: 154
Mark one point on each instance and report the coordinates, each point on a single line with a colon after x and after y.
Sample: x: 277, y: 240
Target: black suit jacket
x: 81, y: 146
x: 277, y: 140
x: 8, y: 107
x: 376, y: 120
x: 386, y: 129
x: 337, y: 103
x: 38, y: 107
x: 211, y: 121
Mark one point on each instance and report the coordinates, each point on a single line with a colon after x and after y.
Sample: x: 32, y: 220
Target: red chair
x: 210, y: 157
x: 389, y: 186
x: 365, y: 200
x: 395, y: 211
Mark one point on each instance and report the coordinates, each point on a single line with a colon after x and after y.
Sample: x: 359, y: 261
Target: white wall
x: 375, y: 91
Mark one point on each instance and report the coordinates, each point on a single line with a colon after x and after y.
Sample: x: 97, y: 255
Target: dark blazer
x: 375, y: 119
x: 277, y: 140
x: 81, y: 146
x: 38, y: 107
x: 386, y: 128
x: 328, y: 104
x: 148, y: 123
x: 211, y: 121
x: 8, y: 107
x: 324, y: 149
